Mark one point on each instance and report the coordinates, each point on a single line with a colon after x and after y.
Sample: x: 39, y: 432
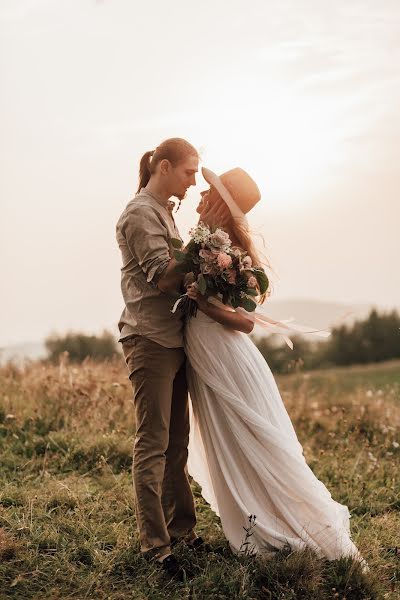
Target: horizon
x: 345, y: 317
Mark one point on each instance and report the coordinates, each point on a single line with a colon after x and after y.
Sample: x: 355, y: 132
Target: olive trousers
x: 163, y: 497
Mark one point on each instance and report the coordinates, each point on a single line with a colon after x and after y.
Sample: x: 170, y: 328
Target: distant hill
x: 315, y: 313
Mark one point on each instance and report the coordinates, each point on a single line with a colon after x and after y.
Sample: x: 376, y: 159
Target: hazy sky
x: 305, y: 95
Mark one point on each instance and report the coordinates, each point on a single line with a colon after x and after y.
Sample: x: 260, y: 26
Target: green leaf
x: 176, y: 243
x: 180, y: 256
x: 235, y: 302
x: 182, y: 267
x: 202, y: 283
x: 251, y: 292
x: 262, y: 280
x: 210, y: 283
x: 248, y: 304
x: 225, y: 297
x: 191, y: 246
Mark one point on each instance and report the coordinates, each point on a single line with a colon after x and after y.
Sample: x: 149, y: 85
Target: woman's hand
x: 215, y: 213
x: 194, y: 294
x: 228, y: 318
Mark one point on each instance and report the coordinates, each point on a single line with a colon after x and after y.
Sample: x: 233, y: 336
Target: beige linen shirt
x: 144, y: 232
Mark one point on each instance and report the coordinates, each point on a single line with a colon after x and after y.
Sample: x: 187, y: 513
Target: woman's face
x: 208, y: 197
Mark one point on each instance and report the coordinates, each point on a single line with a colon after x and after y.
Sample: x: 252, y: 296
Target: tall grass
x: 67, y: 525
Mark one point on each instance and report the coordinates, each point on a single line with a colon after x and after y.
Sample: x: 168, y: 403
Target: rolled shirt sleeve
x: 147, y: 239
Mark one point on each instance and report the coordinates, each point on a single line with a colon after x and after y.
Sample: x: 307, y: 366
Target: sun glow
x: 289, y: 143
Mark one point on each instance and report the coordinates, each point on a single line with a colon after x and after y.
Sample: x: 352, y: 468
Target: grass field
x: 67, y: 527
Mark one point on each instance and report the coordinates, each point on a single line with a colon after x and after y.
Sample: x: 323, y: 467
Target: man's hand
x: 215, y: 214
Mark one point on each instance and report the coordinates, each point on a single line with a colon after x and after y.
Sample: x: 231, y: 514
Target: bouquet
x: 219, y: 269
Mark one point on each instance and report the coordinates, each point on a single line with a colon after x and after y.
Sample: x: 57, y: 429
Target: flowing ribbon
x: 177, y: 303
x: 274, y: 326
x: 266, y: 322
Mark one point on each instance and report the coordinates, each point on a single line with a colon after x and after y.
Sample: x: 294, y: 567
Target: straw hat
x: 236, y: 188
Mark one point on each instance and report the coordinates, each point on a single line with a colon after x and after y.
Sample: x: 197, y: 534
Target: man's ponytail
x: 144, y: 169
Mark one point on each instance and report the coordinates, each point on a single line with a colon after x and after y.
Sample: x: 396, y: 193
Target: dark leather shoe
x: 172, y: 568
x: 199, y: 545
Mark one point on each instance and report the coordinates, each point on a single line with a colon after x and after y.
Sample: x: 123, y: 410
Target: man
x: 152, y: 342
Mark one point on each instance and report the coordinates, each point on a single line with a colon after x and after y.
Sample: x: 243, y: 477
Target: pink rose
x: 206, y: 255
x: 252, y: 282
x: 224, y: 260
x: 206, y: 268
x: 220, y: 238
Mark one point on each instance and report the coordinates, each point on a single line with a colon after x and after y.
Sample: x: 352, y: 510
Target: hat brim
x: 214, y: 180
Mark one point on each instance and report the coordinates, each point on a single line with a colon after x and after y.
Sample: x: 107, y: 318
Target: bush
x: 80, y: 346
x: 375, y: 339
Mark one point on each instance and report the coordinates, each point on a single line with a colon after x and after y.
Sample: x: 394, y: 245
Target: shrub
x: 80, y: 346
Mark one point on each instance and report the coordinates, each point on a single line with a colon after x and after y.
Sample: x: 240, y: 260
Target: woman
x: 243, y: 449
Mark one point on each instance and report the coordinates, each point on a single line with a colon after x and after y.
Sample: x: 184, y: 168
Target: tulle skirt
x: 244, y: 452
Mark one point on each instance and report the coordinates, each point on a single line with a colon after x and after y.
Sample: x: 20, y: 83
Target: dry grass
x: 67, y: 525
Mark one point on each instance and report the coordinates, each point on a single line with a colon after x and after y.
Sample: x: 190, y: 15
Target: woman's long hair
x: 244, y: 239
x: 174, y: 150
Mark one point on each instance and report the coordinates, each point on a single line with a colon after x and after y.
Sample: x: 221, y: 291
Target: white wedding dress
x: 244, y: 452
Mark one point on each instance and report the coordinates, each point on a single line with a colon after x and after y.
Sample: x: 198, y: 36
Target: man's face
x: 183, y: 176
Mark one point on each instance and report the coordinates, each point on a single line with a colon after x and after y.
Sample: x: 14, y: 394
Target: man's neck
x: 156, y: 190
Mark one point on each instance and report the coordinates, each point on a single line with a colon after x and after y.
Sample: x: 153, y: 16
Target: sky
x: 304, y: 95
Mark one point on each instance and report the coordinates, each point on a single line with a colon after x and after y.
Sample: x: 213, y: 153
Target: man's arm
x: 170, y: 281
x: 147, y: 239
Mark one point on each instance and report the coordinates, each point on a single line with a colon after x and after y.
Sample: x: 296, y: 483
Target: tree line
x: 374, y: 339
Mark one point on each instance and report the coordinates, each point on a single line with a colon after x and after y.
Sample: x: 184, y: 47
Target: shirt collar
x: 158, y: 200
x: 154, y: 197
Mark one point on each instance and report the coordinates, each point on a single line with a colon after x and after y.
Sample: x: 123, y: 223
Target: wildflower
x: 395, y: 444
x: 200, y: 234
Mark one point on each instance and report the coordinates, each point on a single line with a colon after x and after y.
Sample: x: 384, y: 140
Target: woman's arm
x: 232, y: 319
